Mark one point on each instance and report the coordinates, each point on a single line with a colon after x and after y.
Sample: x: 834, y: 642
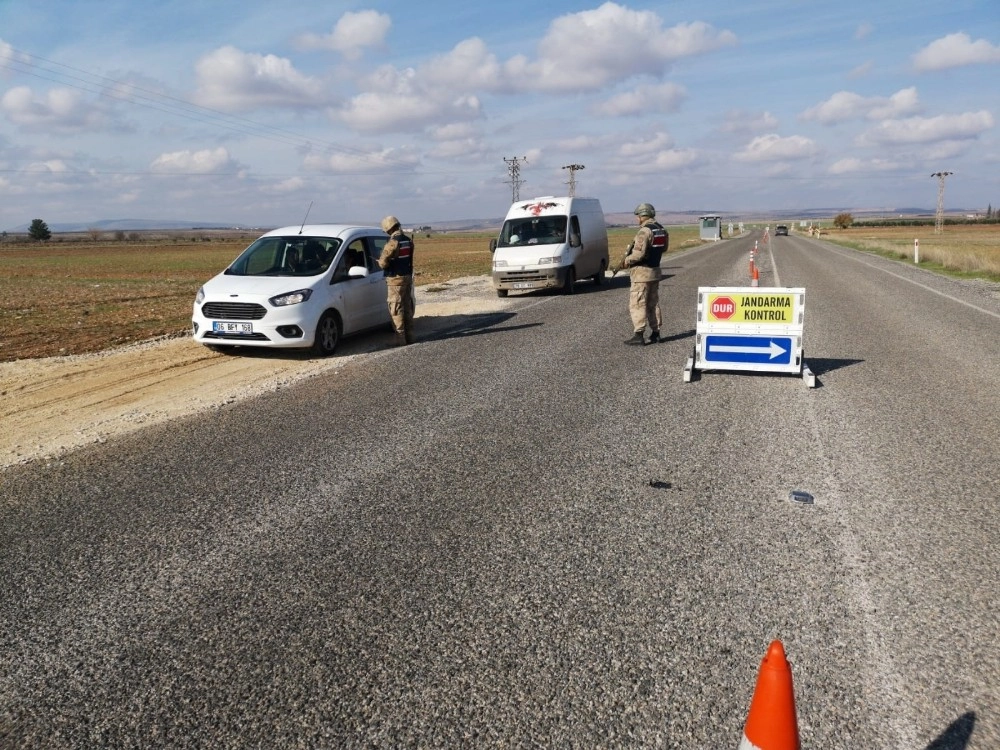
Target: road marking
x: 852, y: 256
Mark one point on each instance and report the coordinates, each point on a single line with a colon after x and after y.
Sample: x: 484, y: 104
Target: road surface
x: 522, y: 533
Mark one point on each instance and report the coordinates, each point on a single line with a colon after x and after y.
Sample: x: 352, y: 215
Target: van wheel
x: 599, y: 276
x: 569, y: 281
x: 328, y: 332
x: 501, y: 292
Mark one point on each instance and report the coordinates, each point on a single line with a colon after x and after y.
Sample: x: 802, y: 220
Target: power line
x: 94, y: 83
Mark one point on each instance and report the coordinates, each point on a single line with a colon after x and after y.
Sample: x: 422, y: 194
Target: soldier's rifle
x: 620, y: 264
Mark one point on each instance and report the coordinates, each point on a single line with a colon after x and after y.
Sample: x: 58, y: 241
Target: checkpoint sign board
x: 750, y: 328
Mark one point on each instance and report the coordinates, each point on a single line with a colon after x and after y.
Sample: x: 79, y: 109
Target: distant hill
x: 613, y: 218
x: 129, y: 225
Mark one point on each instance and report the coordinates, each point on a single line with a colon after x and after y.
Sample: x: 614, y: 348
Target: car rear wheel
x: 328, y: 332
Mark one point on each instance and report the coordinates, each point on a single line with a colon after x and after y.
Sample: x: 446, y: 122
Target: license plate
x: 524, y: 285
x: 221, y: 327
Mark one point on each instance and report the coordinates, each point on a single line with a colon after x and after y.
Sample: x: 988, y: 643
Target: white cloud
x: 773, y: 147
x: 645, y: 147
x: 291, y: 185
x: 928, y: 129
x: 590, y: 49
x: 854, y: 165
x: 741, y: 121
x: 662, y: 99
x: 863, y: 31
x: 50, y: 166
x: 468, y: 66
x: 206, y: 161
x: 361, y: 162
x: 580, y: 52
x: 955, y: 50
x: 846, y: 105
x: 58, y: 110
x: 352, y: 34
x: 861, y: 70
x: 236, y: 81
x: 387, y: 112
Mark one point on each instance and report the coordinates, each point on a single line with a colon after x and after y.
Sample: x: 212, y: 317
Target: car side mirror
x: 493, y: 245
x: 574, y: 240
x: 357, y: 272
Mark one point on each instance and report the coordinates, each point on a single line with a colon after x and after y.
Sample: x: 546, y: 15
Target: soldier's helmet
x: 645, y: 209
x: 389, y: 223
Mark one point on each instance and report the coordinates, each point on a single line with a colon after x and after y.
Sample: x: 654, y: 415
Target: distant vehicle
x: 781, y: 229
x: 296, y: 287
x: 550, y: 242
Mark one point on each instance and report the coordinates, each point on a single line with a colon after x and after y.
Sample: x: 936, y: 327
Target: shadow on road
x: 476, y: 324
x: 821, y: 365
x: 957, y: 735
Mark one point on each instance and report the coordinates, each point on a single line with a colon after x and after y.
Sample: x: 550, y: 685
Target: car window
x: 375, y: 247
x: 354, y: 255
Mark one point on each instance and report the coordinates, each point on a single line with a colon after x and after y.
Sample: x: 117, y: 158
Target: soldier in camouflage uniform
x: 397, y: 262
x: 643, y: 262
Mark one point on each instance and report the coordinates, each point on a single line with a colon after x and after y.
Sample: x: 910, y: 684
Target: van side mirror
x: 574, y: 240
x: 357, y: 272
x: 493, y: 245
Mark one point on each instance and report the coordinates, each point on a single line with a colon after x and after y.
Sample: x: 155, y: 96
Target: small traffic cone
x: 771, y: 723
x: 754, y: 276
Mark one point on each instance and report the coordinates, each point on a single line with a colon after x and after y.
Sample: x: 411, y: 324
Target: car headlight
x: 499, y: 264
x: 200, y: 296
x: 291, y: 298
x: 555, y: 259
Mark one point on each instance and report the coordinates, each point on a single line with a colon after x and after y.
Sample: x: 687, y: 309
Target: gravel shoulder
x: 54, y: 405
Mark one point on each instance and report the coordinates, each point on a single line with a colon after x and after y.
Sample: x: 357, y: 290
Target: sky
x: 255, y: 112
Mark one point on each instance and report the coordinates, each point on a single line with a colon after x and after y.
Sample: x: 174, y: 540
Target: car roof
x: 320, y: 230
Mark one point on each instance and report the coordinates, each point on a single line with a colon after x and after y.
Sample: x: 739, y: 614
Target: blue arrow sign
x: 773, y: 350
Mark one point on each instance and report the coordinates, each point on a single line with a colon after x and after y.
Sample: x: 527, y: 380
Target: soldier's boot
x: 408, y: 336
x: 400, y: 340
x: 654, y: 337
x: 636, y: 340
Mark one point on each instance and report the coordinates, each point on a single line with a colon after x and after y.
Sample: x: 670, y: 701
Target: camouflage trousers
x: 401, y: 305
x: 644, y: 305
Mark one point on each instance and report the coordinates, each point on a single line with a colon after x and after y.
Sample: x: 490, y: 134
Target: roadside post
x: 755, y: 329
x: 916, y: 251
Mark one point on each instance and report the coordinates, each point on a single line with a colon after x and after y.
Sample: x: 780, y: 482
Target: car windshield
x: 286, y: 256
x: 544, y: 230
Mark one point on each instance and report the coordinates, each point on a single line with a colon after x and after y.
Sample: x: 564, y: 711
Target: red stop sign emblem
x: 723, y: 308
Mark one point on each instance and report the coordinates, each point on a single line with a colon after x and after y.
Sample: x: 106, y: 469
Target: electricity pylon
x: 514, y: 170
x: 572, y: 177
x: 939, y: 215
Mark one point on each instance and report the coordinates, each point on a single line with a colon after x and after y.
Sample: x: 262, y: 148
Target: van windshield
x: 536, y: 230
x: 286, y: 256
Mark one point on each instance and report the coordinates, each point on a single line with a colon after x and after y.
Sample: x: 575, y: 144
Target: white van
x: 550, y: 242
x: 296, y: 287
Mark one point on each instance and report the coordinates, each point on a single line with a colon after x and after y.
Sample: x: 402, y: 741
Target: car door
x: 380, y: 306
x: 358, y: 293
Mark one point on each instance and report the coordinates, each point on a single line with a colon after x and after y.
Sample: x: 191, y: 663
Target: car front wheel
x: 328, y: 333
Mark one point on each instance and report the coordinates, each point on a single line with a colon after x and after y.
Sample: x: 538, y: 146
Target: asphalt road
x: 522, y: 533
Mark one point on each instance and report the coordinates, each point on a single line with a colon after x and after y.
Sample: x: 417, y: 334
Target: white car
x: 296, y: 287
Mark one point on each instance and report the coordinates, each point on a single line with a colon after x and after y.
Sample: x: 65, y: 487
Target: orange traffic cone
x: 754, y: 276
x: 771, y: 724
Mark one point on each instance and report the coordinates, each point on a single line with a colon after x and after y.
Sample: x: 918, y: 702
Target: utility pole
x: 572, y: 177
x: 514, y: 170
x: 939, y: 216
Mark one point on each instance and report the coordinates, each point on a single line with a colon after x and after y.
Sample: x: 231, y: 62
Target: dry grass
x: 962, y: 250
